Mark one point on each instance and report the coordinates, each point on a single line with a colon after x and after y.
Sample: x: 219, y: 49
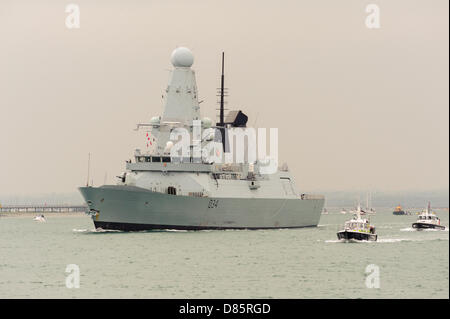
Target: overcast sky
x: 356, y: 108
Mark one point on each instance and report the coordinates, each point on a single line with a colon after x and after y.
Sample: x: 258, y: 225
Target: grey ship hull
x: 419, y: 226
x: 349, y: 235
x: 132, y: 208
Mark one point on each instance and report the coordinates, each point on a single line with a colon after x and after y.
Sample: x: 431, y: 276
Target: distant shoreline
x: 46, y: 214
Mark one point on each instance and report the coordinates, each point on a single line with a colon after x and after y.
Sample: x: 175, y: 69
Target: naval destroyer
x: 159, y: 190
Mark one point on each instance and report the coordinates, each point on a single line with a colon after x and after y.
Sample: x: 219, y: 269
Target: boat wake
x: 104, y: 231
x: 347, y: 241
x: 383, y: 240
x: 96, y: 231
x: 394, y: 240
x: 423, y: 230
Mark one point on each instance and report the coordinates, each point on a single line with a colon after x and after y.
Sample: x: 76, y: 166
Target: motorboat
x: 39, y: 218
x: 399, y: 211
x: 357, y: 229
x: 428, y: 220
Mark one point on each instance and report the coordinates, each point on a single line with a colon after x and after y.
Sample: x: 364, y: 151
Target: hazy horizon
x: 437, y: 198
x: 357, y: 109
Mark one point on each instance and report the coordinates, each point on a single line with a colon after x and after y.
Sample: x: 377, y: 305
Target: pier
x: 42, y: 208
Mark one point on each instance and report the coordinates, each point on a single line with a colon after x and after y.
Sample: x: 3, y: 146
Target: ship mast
x: 222, y: 84
x: 88, y: 169
x: 221, y: 125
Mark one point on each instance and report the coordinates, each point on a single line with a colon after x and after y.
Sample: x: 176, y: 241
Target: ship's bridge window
x: 166, y: 159
x: 140, y: 159
x: 147, y: 158
x: 156, y: 159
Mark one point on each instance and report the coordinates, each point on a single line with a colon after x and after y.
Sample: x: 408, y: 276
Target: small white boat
x: 343, y: 211
x: 357, y: 229
x: 39, y: 218
x: 428, y: 220
x: 324, y: 211
x: 358, y: 210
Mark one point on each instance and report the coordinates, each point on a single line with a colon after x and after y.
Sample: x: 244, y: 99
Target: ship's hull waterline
x: 357, y: 236
x: 427, y: 226
x: 132, y: 209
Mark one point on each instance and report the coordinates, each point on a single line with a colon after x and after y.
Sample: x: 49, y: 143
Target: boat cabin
x: 428, y: 217
x: 357, y: 225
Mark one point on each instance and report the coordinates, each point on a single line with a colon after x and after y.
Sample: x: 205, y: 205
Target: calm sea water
x: 293, y: 263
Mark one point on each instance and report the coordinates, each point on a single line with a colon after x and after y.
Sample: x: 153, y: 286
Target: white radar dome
x: 182, y: 57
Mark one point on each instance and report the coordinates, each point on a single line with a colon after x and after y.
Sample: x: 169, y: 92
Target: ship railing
x: 43, y: 208
x: 363, y: 229
x: 311, y: 196
x: 227, y: 167
x: 197, y: 194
